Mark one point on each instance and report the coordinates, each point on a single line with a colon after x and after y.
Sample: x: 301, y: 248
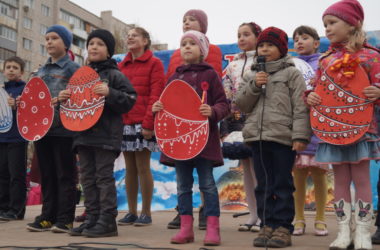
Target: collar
x: 143, y: 58
x: 61, y: 62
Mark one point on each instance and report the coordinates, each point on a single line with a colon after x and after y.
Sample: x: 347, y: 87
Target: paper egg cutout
x: 84, y: 108
x: 181, y: 131
x: 35, y: 112
x: 344, y: 114
x: 6, y: 116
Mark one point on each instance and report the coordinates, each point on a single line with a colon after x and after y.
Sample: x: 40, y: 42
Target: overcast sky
x: 163, y: 18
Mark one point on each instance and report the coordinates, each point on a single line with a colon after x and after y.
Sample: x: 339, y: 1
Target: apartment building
x: 23, y: 24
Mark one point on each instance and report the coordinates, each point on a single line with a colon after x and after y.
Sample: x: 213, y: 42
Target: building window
x: 79, y: 60
x: 29, y: 3
x: 27, y: 44
x: 43, y: 29
x: 8, y: 10
x: 5, y: 54
x: 71, y: 19
x: 27, y: 23
x: 28, y: 66
x: 81, y: 43
x: 43, y: 50
x: 8, y: 33
x: 45, y: 10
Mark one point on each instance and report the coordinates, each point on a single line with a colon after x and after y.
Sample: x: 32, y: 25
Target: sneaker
x: 202, y: 224
x: 87, y: 224
x: 39, y: 225
x: 281, y: 238
x: 176, y: 222
x: 264, y: 236
x: 60, y: 227
x: 128, y: 219
x: 143, y: 220
x: 8, y: 216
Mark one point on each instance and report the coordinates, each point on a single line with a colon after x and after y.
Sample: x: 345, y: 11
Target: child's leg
x: 4, y: 178
x: 249, y: 187
x: 88, y: 180
x: 361, y: 179
x: 17, y: 170
x: 185, y: 180
x: 320, y: 189
x: 131, y: 181
x: 145, y: 178
x: 300, y: 176
x: 342, y: 182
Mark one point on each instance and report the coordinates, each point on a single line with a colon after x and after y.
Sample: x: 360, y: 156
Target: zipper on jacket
x: 245, y: 62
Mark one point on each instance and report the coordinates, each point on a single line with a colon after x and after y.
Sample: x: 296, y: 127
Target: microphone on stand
x: 261, y: 68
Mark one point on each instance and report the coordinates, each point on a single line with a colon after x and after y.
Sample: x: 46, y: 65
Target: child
x: 194, y: 48
x: 195, y: 20
x: 306, y: 43
x: 277, y: 126
x: 13, y: 150
x: 147, y: 76
x: 343, y: 22
x: 54, y: 151
x: 99, y: 146
x: 247, y: 38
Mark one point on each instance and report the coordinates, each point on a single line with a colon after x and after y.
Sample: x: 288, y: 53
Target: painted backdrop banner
x: 229, y: 178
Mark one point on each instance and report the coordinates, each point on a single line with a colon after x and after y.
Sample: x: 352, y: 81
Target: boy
x: 54, y: 151
x: 13, y: 150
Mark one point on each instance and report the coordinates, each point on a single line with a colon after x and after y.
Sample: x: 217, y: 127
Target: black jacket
x: 107, y: 133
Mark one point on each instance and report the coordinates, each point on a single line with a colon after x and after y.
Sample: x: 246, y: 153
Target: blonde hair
x: 356, y: 39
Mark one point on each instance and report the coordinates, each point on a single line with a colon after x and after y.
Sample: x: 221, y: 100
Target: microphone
x: 261, y: 67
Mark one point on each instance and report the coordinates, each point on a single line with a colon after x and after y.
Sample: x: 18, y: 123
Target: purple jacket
x: 195, y: 74
x: 312, y: 146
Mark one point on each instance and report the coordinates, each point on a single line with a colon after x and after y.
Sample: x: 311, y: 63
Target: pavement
x: 14, y: 235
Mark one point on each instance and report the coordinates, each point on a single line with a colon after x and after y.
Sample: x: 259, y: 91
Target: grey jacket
x: 286, y: 117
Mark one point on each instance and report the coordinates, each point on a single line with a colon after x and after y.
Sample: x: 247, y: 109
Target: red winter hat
x: 349, y: 11
x: 276, y: 36
x: 201, y: 16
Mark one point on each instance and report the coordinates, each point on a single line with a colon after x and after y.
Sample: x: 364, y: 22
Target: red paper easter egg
x: 344, y: 114
x: 84, y: 108
x: 35, y: 112
x: 181, y: 131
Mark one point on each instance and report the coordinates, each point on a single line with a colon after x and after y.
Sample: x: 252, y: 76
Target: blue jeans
x: 185, y: 181
x: 278, y: 162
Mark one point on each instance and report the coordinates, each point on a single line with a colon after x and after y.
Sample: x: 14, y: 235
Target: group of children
x: 270, y: 96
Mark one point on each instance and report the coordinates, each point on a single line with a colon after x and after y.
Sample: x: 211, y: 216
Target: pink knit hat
x: 200, y: 39
x: 349, y: 11
x: 201, y: 16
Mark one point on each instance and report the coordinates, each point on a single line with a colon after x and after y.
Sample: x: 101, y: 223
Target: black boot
x: 176, y: 222
x: 88, y: 223
x: 376, y: 237
x: 104, y: 227
x: 202, y: 219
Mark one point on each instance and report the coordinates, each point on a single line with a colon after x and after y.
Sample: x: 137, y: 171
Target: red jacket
x: 147, y: 76
x: 214, y: 58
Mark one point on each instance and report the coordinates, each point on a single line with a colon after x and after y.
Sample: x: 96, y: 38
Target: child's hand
x: 54, y: 101
x: 313, y: 99
x: 102, y: 89
x: 12, y: 102
x: 157, y: 106
x: 205, y: 110
x: 261, y: 79
x: 372, y: 93
x: 147, y: 134
x: 64, y: 95
x: 299, y: 146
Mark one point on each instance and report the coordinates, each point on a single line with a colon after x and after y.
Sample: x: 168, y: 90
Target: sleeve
x: 214, y: 58
x: 156, y: 87
x: 374, y: 73
x: 219, y: 105
x: 122, y: 96
x: 175, y: 61
x: 248, y: 94
x: 301, y: 121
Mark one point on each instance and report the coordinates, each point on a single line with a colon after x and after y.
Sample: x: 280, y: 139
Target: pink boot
x: 186, y: 233
x: 212, y: 237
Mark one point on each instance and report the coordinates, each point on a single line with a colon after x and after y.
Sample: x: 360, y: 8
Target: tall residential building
x: 23, y: 24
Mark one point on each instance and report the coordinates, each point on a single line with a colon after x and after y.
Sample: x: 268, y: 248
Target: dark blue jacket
x: 14, y: 89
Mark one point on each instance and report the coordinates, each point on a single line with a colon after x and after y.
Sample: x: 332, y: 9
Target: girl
x: 276, y: 127
x: 146, y: 74
x: 247, y: 38
x: 306, y: 43
x: 194, y: 48
x: 343, y: 22
x: 99, y: 146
